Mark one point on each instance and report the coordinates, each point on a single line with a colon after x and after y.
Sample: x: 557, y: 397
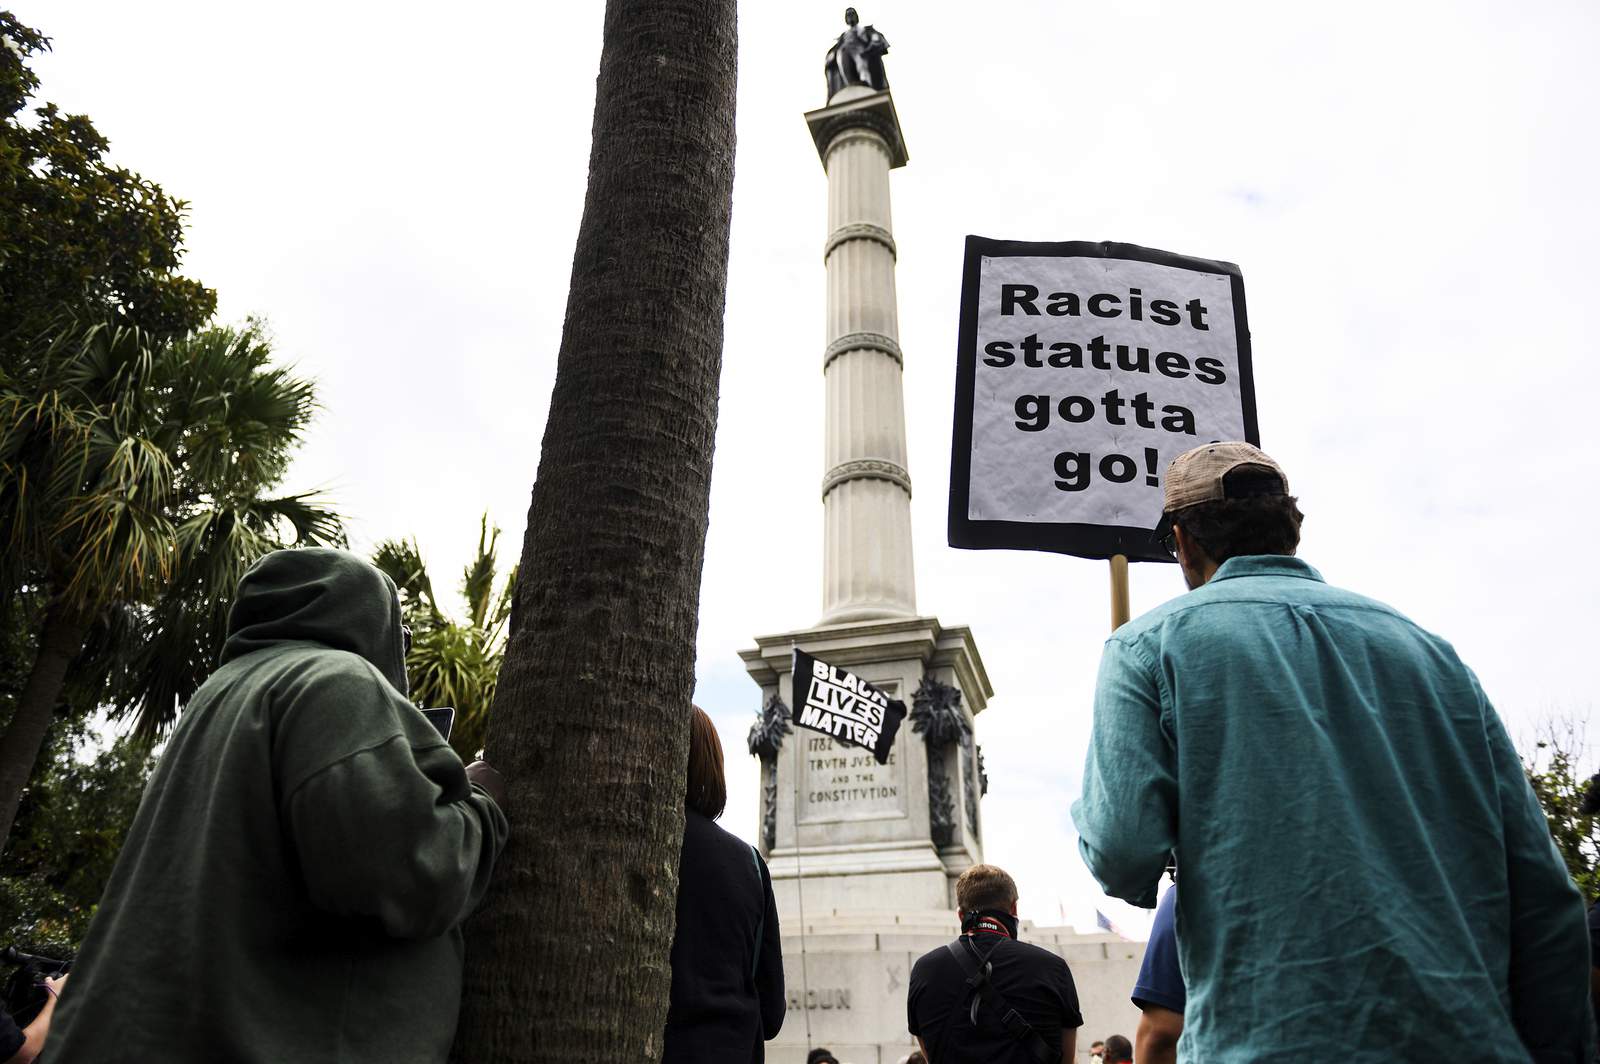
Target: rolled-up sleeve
x: 1128, y: 815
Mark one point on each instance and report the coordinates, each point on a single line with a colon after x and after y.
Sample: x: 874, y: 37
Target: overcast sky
x: 1409, y: 189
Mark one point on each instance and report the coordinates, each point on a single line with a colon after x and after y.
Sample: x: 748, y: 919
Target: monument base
x: 846, y: 980
x: 865, y: 836
x: 858, y: 877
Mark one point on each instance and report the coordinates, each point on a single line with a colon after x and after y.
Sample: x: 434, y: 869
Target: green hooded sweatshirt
x: 293, y: 887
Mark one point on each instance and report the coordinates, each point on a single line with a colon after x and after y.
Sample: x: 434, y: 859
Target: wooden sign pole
x: 1119, y: 591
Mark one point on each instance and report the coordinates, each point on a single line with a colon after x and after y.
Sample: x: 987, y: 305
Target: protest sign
x: 1083, y: 370
x: 845, y: 707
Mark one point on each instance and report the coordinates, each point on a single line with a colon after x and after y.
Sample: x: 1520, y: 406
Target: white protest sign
x: 1083, y: 370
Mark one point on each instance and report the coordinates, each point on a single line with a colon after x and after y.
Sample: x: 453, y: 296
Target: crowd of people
x: 1365, y: 869
x: 1365, y: 872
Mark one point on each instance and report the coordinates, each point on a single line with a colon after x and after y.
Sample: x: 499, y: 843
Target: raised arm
x: 379, y: 809
x: 34, y: 1035
x: 378, y: 835
x: 1127, y: 817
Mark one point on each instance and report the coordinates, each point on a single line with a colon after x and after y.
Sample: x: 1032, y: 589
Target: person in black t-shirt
x: 12, y: 1037
x: 20, y: 1045
x: 1034, y: 982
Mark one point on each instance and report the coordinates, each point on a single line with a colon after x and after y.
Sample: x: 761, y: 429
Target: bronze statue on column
x: 856, y: 58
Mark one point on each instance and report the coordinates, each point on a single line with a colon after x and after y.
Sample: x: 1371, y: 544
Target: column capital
x: 866, y: 469
x: 875, y: 112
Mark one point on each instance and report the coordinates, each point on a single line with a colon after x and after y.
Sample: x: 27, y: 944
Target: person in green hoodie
x: 294, y: 884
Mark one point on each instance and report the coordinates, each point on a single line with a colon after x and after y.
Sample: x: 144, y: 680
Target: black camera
x: 24, y: 994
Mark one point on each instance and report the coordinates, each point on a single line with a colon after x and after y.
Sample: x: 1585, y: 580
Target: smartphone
x: 442, y: 719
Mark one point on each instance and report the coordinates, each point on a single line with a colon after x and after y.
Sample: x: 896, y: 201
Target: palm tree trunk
x: 568, y: 960
x: 59, y: 642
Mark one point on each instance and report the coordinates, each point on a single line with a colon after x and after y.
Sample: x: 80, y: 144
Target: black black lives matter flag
x: 844, y: 707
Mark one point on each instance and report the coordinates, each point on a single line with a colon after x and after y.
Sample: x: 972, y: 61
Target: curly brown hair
x: 1230, y: 528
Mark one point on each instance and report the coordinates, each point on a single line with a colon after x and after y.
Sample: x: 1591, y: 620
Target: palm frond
x: 477, y: 581
x: 135, y: 477
x: 308, y: 518
x: 401, y: 561
x: 502, y: 606
x: 119, y: 549
x: 235, y: 417
x: 451, y: 664
x: 187, y: 624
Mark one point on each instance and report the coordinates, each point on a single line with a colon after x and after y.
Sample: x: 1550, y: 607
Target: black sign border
x: 1065, y: 537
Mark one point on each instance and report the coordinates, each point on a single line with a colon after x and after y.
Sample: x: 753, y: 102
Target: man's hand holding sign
x: 1083, y: 370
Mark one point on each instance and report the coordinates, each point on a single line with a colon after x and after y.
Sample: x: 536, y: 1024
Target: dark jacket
x: 727, y: 964
x: 293, y: 885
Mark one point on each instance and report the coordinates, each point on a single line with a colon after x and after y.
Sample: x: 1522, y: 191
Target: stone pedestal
x: 864, y: 836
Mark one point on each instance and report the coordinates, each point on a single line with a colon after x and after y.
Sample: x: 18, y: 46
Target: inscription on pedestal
x: 821, y: 998
x: 847, y: 783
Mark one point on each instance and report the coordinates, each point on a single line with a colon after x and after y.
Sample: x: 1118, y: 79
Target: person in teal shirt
x: 1366, y: 872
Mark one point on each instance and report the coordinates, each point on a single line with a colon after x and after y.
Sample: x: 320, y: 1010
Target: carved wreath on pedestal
x: 936, y: 714
x: 764, y: 741
x: 977, y: 783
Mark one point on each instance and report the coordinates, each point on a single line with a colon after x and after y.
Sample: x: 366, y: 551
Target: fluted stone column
x: 864, y: 856
x: 866, y: 487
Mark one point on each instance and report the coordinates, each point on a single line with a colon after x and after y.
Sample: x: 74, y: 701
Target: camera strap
x: 761, y: 921
x: 978, y: 970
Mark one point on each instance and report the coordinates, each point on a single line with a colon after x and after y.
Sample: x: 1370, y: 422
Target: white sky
x: 1409, y: 188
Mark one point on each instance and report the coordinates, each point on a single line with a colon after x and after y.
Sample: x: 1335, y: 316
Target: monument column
x: 843, y: 833
x: 864, y: 856
x: 866, y: 487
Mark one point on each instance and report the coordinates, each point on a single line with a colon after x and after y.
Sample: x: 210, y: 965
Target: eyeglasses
x: 1170, y: 541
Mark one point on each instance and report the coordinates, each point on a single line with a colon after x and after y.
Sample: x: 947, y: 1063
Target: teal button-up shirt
x: 1366, y: 872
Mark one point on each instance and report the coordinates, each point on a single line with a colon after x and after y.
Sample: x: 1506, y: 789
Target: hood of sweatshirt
x: 319, y: 595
